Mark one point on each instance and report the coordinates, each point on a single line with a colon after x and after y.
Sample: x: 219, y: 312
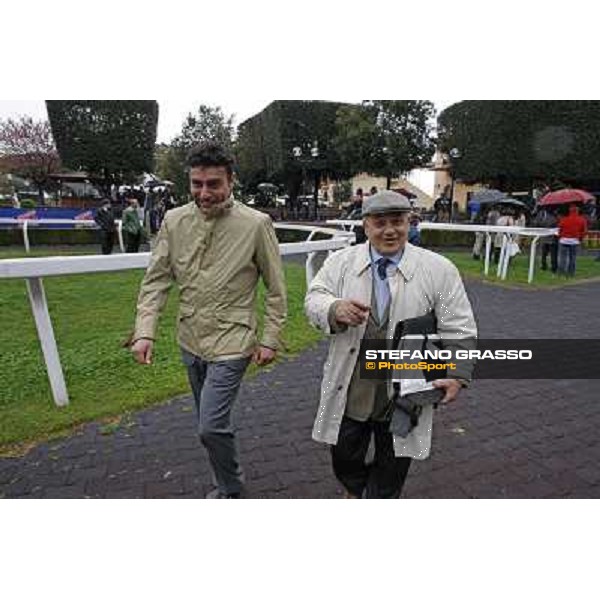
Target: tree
x: 385, y: 137
x: 111, y: 139
x: 266, y: 142
x: 209, y: 123
x: 27, y: 149
x: 356, y: 138
x: 510, y: 144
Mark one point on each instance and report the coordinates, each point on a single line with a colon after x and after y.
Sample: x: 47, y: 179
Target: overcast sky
x: 173, y: 112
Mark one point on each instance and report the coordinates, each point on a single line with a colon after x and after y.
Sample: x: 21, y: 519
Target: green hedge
x: 50, y: 237
x: 71, y: 237
x: 68, y: 237
x: 438, y: 237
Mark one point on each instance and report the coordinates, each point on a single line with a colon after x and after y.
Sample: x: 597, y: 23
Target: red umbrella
x: 566, y: 196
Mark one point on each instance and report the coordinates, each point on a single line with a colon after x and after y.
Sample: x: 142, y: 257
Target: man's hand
x: 263, y: 356
x: 351, y: 312
x: 450, y: 386
x: 142, y: 351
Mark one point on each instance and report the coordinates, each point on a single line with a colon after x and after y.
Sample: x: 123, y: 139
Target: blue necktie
x: 382, y: 265
x: 384, y: 296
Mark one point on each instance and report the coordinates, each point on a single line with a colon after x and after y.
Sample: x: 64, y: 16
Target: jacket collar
x: 228, y: 204
x: 407, y: 264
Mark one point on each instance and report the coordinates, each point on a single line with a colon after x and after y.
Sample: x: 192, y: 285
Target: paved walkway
x: 503, y: 439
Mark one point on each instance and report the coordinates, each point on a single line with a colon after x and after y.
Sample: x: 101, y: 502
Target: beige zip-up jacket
x: 216, y: 264
x: 422, y: 281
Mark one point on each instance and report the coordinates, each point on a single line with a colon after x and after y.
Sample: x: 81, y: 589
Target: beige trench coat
x: 216, y: 265
x: 423, y: 281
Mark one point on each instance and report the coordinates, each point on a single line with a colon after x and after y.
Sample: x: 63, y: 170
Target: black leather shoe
x: 217, y: 494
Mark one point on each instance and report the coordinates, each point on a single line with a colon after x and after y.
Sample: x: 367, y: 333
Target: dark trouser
x: 107, y: 241
x: 496, y: 254
x: 567, y: 257
x: 132, y: 242
x: 215, y: 386
x: 384, y: 477
x: 551, y: 249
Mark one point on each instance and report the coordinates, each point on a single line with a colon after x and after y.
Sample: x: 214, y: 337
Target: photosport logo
x: 485, y: 358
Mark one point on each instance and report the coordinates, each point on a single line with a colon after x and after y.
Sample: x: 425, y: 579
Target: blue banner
x: 40, y: 213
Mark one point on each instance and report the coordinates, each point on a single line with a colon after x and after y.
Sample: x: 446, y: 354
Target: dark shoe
x: 217, y: 494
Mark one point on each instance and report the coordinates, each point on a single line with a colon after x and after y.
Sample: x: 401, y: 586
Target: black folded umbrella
x: 409, y: 408
x: 488, y: 196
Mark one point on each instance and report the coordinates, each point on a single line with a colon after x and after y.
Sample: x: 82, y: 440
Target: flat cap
x: 385, y: 202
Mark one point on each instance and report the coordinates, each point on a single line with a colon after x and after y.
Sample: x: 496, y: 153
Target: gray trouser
x: 215, y: 386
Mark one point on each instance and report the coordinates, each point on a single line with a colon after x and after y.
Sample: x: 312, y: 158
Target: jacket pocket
x: 186, y: 311
x: 237, y: 316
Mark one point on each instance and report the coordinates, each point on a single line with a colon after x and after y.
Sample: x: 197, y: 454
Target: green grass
x: 587, y: 268
x: 92, y: 315
x: 14, y: 252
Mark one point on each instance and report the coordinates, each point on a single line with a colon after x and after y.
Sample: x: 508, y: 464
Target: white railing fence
x: 510, y: 234
x: 25, y: 224
x: 34, y: 269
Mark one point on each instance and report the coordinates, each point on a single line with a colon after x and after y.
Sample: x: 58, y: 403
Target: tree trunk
x: 388, y: 182
x: 316, y: 196
x: 294, y: 183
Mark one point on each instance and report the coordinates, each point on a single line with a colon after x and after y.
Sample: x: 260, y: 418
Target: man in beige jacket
x: 215, y: 249
x: 363, y: 292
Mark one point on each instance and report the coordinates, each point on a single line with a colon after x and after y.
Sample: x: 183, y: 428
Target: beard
x: 216, y: 210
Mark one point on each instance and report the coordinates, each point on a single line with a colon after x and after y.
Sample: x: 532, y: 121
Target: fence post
x: 39, y: 307
x: 532, y: 250
x: 26, y: 235
x: 120, y: 234
x: 488, y: 247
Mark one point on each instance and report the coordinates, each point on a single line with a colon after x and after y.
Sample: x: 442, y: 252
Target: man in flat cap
x: 363, y: 292
x: 106, y: 222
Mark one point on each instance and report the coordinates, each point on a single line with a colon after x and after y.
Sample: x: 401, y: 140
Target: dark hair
x: 210, y: 154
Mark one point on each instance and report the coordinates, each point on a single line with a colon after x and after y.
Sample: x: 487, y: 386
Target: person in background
x: 492, y: 216
x: 546, y: 219
x: 106, y: 222
x: 442, y: 208
x: 571, y: 231
x: 132, y: 227
x: 479, y: 237
x: 414, y: 233
x: 520, y: 221
x: 474, y: 211
x: 505, y: 220
x: 358, y: 200
x: 154, y: 211
x: 454, y: 213
x: 354, y: 210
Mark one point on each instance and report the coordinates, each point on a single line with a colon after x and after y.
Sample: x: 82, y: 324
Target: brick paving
x: 502, y: 439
